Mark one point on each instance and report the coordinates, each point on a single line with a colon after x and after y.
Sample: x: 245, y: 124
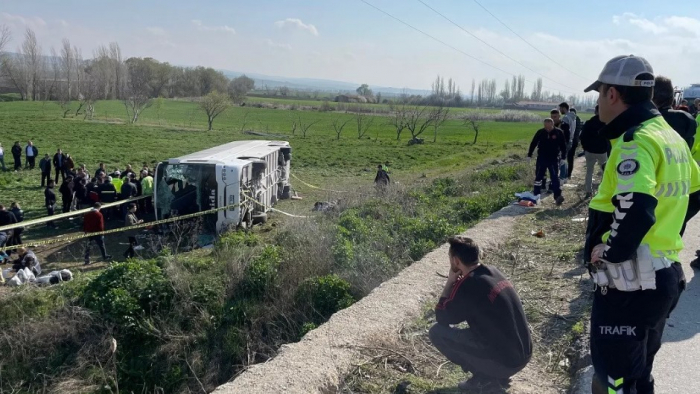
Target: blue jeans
x: 2, y: 162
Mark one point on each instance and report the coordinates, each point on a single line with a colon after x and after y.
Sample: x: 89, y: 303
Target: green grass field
x: 172, y: 128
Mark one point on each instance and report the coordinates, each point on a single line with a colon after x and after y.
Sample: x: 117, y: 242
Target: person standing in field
x: 66, y: 190
x: 595, y: 147
x: 147, y: 190
x: 17, y: 155
x: 30, y: 153
x: 45, y: 168
x: 566, y: 131
x: 131, y: 220
x: 2, y: 157
x: 576, y: 134
x: 59, y: 163
x: 94, y: 222
x: 498, y: 343
x: 568, y: 118
x: 50, y: 201
x: 19, y: 215
x: 681, y: 121
x: 551, y: 149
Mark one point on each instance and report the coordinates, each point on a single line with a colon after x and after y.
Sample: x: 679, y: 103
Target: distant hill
x: 324, y: 85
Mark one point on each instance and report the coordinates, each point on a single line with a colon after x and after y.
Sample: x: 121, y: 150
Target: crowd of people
x: 78, y: 189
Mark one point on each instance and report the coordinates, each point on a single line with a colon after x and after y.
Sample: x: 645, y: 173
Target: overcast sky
x: 349, y: 40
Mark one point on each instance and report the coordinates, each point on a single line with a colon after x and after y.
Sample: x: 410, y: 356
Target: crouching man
x: 497, y: 344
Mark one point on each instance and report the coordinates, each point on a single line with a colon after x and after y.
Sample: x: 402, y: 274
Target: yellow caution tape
x: 65, y: 215
x: 319, y: 188
x: 70, y: 238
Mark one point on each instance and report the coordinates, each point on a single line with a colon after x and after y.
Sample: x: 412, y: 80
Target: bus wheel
x: 260, y: 218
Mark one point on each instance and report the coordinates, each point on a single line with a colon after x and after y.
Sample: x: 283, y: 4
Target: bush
x: 127, y: 292
x: 320, y: 297
x: 260, y: 276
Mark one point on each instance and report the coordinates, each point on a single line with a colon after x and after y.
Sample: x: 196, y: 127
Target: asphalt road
x: 677, y: 366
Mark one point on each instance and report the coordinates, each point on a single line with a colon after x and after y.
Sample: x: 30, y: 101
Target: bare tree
x: 31, y: 52
x: 399, y: 119
x: 473, y: 122
x: 214, y: 104
x: 419, y: 119
x: 239, y: 87
x: 338, y: 126
x: 79, y: 71
x: 440, y: 118
x: 364, y: 122
x: 67, y: 61
x: 90, y: 92
x: 117, y: 63
x: 62, y: 90
x: 303, y: 126
x: 136, y: 93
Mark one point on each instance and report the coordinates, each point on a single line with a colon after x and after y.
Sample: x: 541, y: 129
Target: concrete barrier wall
x: 318, y: 362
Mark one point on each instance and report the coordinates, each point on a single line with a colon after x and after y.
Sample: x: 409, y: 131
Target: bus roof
x: 232, y: 151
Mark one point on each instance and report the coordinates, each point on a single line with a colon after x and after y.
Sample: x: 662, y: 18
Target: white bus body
x: 221, y: 176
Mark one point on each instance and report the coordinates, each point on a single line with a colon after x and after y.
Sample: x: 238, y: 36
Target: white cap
x: 624, y: 71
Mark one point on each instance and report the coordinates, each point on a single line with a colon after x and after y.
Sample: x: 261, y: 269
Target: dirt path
x: 321, y: 360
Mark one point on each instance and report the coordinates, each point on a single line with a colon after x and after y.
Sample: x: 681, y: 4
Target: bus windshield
x: 183, y: 189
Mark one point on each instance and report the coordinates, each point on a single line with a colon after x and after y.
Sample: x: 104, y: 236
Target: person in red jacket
x: 94, y: 222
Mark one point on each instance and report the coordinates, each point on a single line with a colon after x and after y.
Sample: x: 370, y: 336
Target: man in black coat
x: 45, y: 167
x: 66, y: 191
x: 681, y: 121
x: 59, y: 163
x: 50, y: 201
x: 596, y: 148
x: 17, y: 155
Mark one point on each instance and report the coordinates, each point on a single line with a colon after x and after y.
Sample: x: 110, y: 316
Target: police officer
x: 633, y: 240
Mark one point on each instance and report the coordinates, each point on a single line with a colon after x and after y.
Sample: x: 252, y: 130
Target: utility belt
x: 638, y: 273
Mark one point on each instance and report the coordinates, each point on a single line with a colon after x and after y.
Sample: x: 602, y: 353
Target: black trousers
x: 18, y: 162
x: 462, y: 347
x: 45, y: 176
x: 541, y: 167
x: 626, y: 330
x: 62, y: 173
x: 31, y: 162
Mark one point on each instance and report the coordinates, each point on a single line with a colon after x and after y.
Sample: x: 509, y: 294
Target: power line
x: 450, y: 46
x: 528, y: 43
x: 492, y: 47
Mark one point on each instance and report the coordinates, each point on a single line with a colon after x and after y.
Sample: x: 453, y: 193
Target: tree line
x: 65, y: 76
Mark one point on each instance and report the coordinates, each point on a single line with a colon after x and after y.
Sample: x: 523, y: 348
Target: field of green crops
x: 172, y: 128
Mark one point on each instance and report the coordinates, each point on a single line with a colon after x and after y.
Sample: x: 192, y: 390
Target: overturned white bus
x: 221, y: 176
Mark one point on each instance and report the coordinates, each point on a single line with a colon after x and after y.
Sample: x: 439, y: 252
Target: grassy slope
x: 177, y: 127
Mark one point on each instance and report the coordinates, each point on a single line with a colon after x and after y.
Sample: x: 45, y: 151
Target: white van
x: 223, y: 176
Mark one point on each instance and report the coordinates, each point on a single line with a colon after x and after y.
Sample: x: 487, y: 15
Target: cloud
x: 63, y: 23
x: 278, y: 45
x: 156, y: 31
x: 225, y: 28
x: 681, y: 26
x: 640, y: 22
x: 297, y: 24
x: 33, y: 22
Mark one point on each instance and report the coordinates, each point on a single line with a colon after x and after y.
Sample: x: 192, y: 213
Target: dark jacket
x: 591, y: 140
x: 66, y: 190
x: 682, y: 122
x: 63, y: 161
x: 382, y: 178
x: 19, y: 214
x: 564, y: 127
x: 97, y: 173
x: 126, y: 173
x: 80, y: 191
x: 487, y: 301
x: 16, y: 151
x: 34, y: 150
x: 107, y: 192
x: 49, y: 196
x: 550, y: 145
x: 7, y: 218
x: 128, y: 190
x: 45, y: 165
x: 93, y: 222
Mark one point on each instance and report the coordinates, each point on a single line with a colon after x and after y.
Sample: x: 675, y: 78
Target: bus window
x: 183, y: 189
